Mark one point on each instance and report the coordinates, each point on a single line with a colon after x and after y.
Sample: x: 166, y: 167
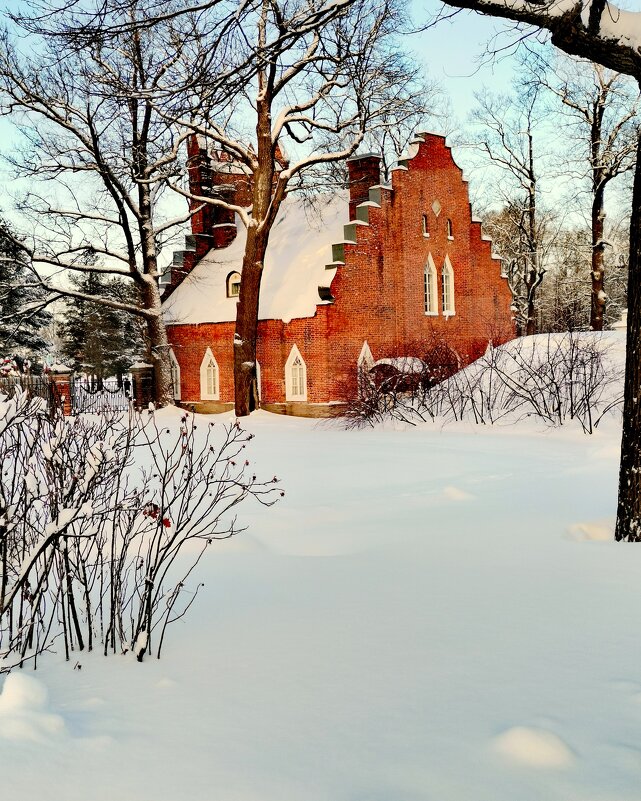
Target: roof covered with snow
x: 299, y: 248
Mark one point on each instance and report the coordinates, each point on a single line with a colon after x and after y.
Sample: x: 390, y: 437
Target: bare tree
x: 600, y: 31
x: 326, y: 74
x: 504, y: 131
x: 601, y: 125
x: 565, y: 296
x: 97, y: 150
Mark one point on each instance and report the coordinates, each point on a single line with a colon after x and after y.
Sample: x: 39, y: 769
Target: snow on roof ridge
x: 295, y: 266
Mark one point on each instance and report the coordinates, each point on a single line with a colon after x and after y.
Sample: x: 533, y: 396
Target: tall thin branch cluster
x: 95, y: 518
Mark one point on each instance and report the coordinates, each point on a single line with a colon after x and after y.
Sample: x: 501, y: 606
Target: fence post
x: 143, y: 380
x: 61, y: 379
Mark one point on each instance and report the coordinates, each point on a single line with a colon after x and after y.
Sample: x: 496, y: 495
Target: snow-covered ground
x: 430, y: 614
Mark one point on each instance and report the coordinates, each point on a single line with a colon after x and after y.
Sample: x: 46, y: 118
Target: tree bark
x: 597, y: 308
x: 628, y: 526
x: 266, y: 200
x: 158, y: 345
x: 534, y: 275
x: 246, y: 335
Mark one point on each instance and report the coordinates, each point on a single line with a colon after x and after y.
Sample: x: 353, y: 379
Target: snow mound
x: 23, y: 710
x: 549, y: 379
x: 599, y: 531
x: 456, y: 494
x: 534, y: 747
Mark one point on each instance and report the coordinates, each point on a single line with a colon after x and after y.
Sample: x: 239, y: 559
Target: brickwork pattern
x: 378, y: 291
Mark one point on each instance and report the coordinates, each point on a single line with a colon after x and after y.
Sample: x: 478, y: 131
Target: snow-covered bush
x: 552, y: 377
x: 102, y: 521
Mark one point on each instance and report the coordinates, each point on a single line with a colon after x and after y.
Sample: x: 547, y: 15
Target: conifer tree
x: 17, y: 291
x: 99, y: 340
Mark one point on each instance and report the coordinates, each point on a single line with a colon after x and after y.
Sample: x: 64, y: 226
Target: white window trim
x: 364, y: 364
x: 425, y: 226
x: 450, y: 228
x: 430, y: 268
x: 259, y: 382
x: 447, y: 268
x: 204, y: 395
x: 176, y: 372
x: 289, y: 391
x: 365, y: 360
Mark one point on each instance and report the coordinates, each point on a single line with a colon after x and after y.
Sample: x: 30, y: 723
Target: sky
x: 454, y: 53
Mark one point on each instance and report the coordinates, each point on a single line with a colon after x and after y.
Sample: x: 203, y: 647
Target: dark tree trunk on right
x: 629, y: 504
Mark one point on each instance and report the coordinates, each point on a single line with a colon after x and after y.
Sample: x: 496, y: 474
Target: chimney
x: 364, y: 172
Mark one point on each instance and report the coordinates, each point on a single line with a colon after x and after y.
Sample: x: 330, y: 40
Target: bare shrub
x: 102, y: 522
x: 400, y: 386
x: 554, y: 378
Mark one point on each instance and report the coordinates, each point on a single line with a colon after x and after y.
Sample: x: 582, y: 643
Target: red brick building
x: 347, y: 282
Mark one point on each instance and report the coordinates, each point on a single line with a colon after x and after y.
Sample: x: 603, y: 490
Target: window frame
x: 448, y: 284
x: 298, y: 383
x: 229, y: 282
x: 450, y: 228
x: 425, y: 226
x: 205, y: 365
x: 175, y: 374
x: 430, y: 299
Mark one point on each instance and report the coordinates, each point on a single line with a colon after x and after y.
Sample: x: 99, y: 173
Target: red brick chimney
x: 364, y: 172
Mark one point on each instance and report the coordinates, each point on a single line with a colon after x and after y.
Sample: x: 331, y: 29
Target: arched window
x: 450, y: 229
x: 175, y: 374
x: 233, y: 285
x: 364, y: 364
x: 448, y: 288
x: 295, y: 377
x: 365, y: 360
x: 209, y: 377
x: 426, y: 226
x: 430, y: 286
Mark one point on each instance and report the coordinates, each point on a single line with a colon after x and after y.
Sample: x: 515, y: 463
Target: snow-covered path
x: 420, y: 618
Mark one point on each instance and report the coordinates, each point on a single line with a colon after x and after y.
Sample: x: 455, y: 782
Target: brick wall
x: 379, y: 291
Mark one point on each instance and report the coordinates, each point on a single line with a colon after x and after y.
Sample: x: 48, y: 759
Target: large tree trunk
x: 597, y: 307
x: 266, y: 200
x: 628, y: 526
x: 158, y: 346
x: 246, y: 335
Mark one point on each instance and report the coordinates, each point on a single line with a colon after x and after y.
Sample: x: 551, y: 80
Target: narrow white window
x: 430, y: 286
x: 364, y: 364
x: 365, y: 359
x: 175, y: 374
x: 448, y: 288
x: 209, y: 377
x: 426, y: 226
x: 295, y: 377
x: 450, y: 230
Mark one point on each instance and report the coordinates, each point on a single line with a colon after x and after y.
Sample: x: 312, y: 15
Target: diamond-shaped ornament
x: 436, y: 207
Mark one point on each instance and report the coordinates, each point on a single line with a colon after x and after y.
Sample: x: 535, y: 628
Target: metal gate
x: 94, y: 397
x: 36, y: 386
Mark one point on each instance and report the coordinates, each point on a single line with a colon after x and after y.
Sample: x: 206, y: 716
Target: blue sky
x: 453, y: 53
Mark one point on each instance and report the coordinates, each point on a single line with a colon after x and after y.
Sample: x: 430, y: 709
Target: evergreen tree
x: 99, y: 340
x: 21, y: 330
